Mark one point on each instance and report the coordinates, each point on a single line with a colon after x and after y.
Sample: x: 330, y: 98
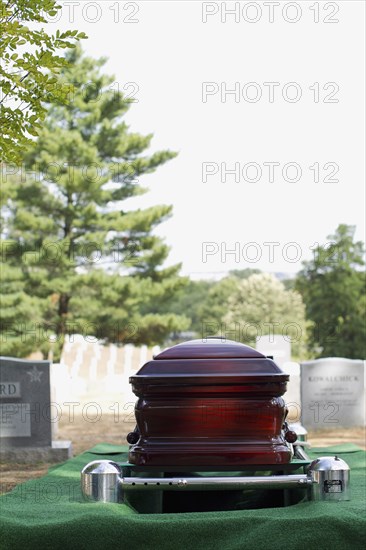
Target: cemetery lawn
x: 85, y: 435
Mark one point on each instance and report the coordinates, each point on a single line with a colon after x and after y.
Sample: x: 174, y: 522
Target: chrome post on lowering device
x: 327, y: 479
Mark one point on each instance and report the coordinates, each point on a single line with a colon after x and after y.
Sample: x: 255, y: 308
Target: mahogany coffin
x: 209, y: 403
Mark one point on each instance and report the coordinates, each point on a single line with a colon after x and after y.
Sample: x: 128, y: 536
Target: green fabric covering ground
x: 50, y: 513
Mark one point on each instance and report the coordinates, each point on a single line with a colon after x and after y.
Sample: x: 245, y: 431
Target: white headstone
x: 93, y: 369
x: 127, y: 395
x: 292, y: 396
x: 333, y: 393
x: 276, y: 346
x: 143, y: 355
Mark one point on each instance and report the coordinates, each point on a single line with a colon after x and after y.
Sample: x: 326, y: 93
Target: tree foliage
x: 189, y: 300
x: 261, y: 305
x: 215, y: 308
x: 94, y: 265
x: 18, y: 312
x: 28, y: 71
x: 205, y: 301
x: 333, y: 288
x: 244, y: 273
x: 242, y: 306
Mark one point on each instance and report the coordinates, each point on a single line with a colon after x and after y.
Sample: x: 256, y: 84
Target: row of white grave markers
x: 90, y: 372
x: 331, y: 396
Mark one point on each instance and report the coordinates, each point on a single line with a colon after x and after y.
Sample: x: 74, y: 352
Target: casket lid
x: 210, y: 348
x: 215, y: 359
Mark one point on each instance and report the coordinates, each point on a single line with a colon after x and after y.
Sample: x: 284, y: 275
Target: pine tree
x: 94, y: 266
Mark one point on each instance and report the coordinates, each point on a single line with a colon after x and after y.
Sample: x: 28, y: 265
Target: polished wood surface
x: 214, y: 411
x: 209, y: 348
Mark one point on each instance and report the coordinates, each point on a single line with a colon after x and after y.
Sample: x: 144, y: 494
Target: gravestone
x: 292, y: 396
x: 276, y: 346
x: 333, y: 393
x: 279, y: 347
x: 27, y: 414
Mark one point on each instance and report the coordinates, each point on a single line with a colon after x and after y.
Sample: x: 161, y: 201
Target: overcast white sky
x: 170, y: 53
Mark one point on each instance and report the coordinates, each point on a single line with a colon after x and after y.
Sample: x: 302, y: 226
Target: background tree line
x: 322, y: 309
x: 75, y: 259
